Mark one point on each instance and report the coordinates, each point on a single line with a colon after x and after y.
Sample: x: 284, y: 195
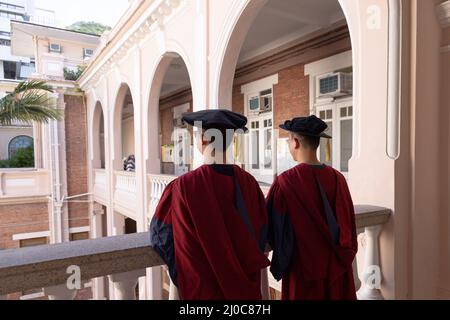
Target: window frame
x: 336, y: 133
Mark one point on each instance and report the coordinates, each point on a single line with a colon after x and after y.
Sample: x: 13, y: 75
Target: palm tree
x: 27, y: 103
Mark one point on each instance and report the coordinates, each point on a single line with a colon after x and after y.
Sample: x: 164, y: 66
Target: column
x: 371, y: 275
x: 125, y: 284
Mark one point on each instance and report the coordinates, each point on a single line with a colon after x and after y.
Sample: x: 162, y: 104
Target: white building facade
x: 392, y: 118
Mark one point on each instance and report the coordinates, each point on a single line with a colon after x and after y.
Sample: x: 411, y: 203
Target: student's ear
x: 297, y: 143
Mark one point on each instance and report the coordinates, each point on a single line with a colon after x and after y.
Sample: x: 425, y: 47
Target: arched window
x: 17, y: 143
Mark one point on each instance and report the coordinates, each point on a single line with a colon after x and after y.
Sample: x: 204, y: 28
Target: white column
x: 173, y: 292
x: 60, y: 292
x: 125, y: 284
x: 154, y: 283
x: 371, y: 275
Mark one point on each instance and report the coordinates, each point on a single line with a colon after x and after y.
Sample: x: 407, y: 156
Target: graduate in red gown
x: 311, y: 222
x: 210, y: 226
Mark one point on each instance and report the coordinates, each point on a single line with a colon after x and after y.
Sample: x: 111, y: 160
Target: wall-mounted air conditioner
x: 54, y: 47
x: 87, y: 53
x: 261, y: 103
x: 335, y: 84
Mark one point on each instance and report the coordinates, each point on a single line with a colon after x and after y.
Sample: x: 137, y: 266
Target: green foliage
x: 29, y: 102
x: 73, y: 75
x: 88, y: 27
x: 23, y: 158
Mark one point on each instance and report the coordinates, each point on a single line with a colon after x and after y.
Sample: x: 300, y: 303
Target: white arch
x: 116, y: 123
x: 151, y: 102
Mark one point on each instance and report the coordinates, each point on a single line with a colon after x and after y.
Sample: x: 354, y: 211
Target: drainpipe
x: 56, y: 179
x: 58, y: 194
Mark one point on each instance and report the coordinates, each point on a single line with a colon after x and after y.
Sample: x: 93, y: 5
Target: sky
x: 106, y: 12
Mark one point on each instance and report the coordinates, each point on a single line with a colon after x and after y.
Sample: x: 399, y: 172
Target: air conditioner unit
x: 335, y: 85
x: 87, y: 53
x: 260, y: 103
x: 54, y: 47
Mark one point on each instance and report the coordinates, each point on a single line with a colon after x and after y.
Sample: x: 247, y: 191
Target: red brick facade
x: 291, y: 95
x: 21, y: 218
x: 76, y: 157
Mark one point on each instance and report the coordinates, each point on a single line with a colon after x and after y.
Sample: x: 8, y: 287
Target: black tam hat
x: 216, y: 119
x: 307, y: 126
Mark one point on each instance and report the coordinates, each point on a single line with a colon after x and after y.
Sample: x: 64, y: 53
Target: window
x: 17, y: 143
x: 33, y: 242
x: 87, y: 53
x: 5, y: 42
x: 10, y: 70
x: 11, y: 16
x: 10, y: 6
x: 339, y: 117
x: 54, y: 47
x: 79, y: 236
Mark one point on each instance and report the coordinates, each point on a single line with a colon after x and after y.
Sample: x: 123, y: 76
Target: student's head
x: 214, y: 139
x: 215, y: 130
x: 304, y: 136
x: 303, y: 144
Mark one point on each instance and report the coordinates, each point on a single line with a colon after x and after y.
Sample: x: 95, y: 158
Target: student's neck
x: 308, y: 158
x: 218, y: 158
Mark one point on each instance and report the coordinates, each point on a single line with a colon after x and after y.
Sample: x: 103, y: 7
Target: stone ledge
x: 44, y: 266
x: 368, y: 216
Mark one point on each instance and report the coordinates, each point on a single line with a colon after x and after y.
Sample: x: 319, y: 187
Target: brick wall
x: 291, y: 96
x: 21, y: 218
x: 76, y: 155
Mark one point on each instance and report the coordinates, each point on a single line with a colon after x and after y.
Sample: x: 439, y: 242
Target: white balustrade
x: 371, y: 275
x: 125, y: 284
x: 125, y: 193
x: 157, y: 184
x: 100, y: 185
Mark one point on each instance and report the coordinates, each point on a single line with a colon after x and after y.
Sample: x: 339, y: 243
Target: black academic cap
x: 307, y: 126
x: 217, y: 119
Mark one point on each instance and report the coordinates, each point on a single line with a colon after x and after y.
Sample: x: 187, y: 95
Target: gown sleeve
x: 161, y: 232
x: 281, y: 234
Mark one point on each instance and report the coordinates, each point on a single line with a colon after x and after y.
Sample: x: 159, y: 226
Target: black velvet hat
x: 307, y: 126
x: 217, y: 119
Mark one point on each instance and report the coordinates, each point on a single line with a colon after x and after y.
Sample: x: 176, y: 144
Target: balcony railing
x: 125, y: 193
x: 125, y: 258
x: 157, y: 184
x: 100, y: 186
x: 16, y: 183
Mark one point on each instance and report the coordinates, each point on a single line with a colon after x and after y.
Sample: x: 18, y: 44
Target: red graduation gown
x: 210, y: 227
x: 311, y: 265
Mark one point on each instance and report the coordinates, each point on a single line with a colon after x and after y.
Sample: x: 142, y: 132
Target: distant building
x: 47, y: 204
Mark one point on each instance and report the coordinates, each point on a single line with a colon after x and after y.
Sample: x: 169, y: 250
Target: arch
x: 19, y: 142
x: 117, y: 128
x: 151, y: 118
x: 232, y: 42
x: 230, y: 48
x: 98, y: 146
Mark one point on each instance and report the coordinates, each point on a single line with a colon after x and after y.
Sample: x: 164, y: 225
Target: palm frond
x: 29, y: 102
x: 32, y: 85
